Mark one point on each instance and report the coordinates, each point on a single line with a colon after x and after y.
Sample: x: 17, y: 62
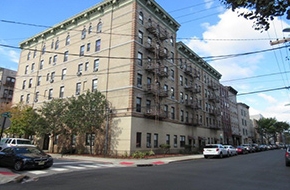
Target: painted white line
x: 75, y: 167
x: 37, y: 172
x: 58, y: 169
x: 90, y: 166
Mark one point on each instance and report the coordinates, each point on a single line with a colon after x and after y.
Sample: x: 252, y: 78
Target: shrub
x: 165, y: 148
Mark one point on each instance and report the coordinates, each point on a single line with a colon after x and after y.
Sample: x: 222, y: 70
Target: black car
x: 287, y: 156
x: 25, y: 157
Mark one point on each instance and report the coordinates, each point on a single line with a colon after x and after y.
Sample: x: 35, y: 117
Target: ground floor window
x: 138, y: 140
x: 148, y: 143
x: 90, y: 137
x: 182, y: 141
x: 175, y: 141
x: 168, y: 139
x: 155, y: 140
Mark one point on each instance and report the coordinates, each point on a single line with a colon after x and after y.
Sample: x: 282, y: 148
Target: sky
x: 258, y: 71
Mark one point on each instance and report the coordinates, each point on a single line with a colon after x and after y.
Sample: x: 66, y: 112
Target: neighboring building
x: 7, y: 82
x: 244, y: 122
x: 236, y: 131
x: 160, y: 91
x: 257, y: 137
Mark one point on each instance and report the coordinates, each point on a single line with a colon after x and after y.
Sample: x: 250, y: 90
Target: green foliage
x: 165, y: 148
x: 262, y: 12
x: 139, y: 154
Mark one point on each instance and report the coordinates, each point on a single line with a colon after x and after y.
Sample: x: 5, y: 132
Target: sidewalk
x: 6, y: 175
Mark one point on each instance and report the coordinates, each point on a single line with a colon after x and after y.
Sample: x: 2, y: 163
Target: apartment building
x: 7, y: 82
x: 244, y: 122
x: 160, y: 91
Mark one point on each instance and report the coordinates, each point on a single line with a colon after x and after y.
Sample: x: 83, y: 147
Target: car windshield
x: 27, y: 150
x: 211, y: 146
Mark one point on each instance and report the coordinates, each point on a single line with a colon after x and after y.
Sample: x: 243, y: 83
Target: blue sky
x: 206, y: 27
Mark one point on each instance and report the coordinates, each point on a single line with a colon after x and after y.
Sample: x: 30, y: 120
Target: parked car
x: 287, y: 156
x: 231, y: 150
x: 24, y: 157
x: 241, y: 150
x: 248, y: 147
x: 8, y: 142
x: 214, y: 150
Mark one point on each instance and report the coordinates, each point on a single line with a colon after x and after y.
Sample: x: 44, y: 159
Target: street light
x: 281, y: 41
x: 286, y: 30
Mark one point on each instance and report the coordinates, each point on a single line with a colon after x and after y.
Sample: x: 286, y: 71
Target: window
x: 54, y: 59
x: 38, y: 80
x: 175, y: 141
x: 140, y: 37
x: 34, y: 53
x: 96, y: 65
x: 30, y: 83
x: 90, y: 139
x: 27, y: 98
x: 78, y: 88
x: 28, y: 56
x: 90, y: 29
x: 155, y: 140
x: 171, y: 41
x: 172, y: 74
x: 36, y: 97
x: 172, y: 57
x: 50, y: 94
x: 88, y: 46
x: 43, y: 49
x: 50, y: 60
x: 182, y: 141
x: 61, y: 91
x: 94, y: 85
x: 82, y: 50
x: 99, y: 27
x: 67, y: 40
x: 80, y: 68
x: 181, y: 97
x: 41, y: 64
x: 141, y: 19
x: 181, y: 115
x: 140, y: 58
x: 98, y: 45
x: 21, y: 98
x: 138, y: 104
x: 172, y: 113
x: 148, y: 105
x: 168, y: 139
x: 63, y: 73
x: 86, y: 66
x: 139, y: 80
x: 181, y: 80
x: 52, y: 44
x: 56, y: 45
x: 172, y: 93
x: 52, y: 76
x: 148, y: 140
x: 26, y: 69
x: 24, y: 84
x: 65, y: 56
x: 138, y: 140
x: 84, y: 33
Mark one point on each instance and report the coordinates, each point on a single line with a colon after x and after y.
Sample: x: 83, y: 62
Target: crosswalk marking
x: 75, y: 167
x: 91, y: 166
x: 37, y: 172
x: 58, y: 169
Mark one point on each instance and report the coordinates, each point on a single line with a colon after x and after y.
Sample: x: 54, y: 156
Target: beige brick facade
x: 159, y: 90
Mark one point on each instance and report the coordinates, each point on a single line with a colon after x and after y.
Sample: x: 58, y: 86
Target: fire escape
x: 156, y: 68
x: 214, y: 100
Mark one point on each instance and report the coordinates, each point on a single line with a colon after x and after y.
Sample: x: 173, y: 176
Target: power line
x: 267, y: 90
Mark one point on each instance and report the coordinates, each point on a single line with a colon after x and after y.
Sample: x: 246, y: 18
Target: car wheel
x: 287, y: 163
x: 221, y: 155
x: 205, y: 157
x: 18, y: 165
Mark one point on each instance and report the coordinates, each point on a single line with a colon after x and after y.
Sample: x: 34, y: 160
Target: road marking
x: 58, y: 169
x: 75, y: 167
x: 90, y: 166
x: 37, y: 172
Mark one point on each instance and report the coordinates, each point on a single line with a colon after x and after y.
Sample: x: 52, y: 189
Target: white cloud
x: 208, y: 3
x: 268, y: 98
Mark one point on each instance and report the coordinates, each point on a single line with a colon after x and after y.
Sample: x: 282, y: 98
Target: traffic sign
x: 7, y: 123
x: 6, y: 114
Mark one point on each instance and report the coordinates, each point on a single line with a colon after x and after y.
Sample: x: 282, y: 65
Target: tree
x: 87, y: 113
x: 262, y: 11
x: 52, y: 113
x: 23, y: 121
x: 266, y: 127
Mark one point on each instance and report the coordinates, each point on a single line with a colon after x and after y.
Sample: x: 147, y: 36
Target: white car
x: 215, y: 150
x: 231, y: 150
x: 8, y: 142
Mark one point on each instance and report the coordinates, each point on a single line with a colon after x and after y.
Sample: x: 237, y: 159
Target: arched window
x: 56, y: 44
x: 99, y: 27
x: 141, y: 18
x: 67, y: 40
x: 90, y: 29
x: 43, y: 49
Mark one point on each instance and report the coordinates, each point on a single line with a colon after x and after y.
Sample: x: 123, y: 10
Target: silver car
x: 231, y: 150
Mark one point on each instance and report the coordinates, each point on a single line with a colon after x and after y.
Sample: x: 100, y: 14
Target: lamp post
x: 281, y: 41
